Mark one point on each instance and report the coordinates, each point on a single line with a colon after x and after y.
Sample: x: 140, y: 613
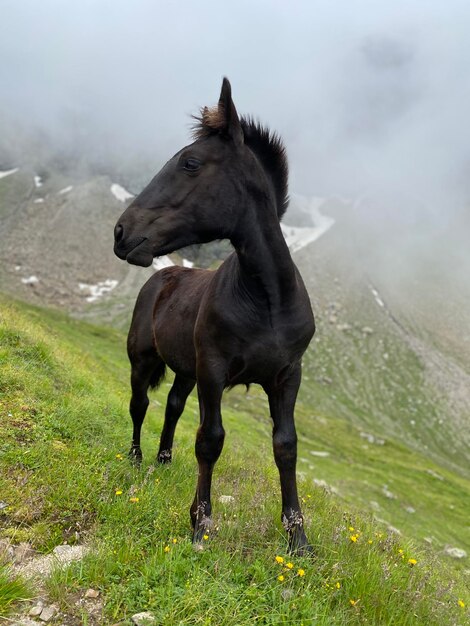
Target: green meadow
x: 64, y: 435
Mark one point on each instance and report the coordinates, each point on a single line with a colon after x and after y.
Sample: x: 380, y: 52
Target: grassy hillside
x: 64, y: 432
x: 375, y: 365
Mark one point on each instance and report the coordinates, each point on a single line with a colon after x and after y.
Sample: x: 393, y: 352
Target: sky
x: 369, y: 96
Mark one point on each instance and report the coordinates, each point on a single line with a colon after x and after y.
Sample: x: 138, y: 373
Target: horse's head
x: 195, y: 197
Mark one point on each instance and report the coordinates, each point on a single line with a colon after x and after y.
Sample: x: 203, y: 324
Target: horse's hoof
x: 300, y: 547
x: 201, y: 532
x: 304, y: 550
x: 135, y: 456
x: 164, y: 456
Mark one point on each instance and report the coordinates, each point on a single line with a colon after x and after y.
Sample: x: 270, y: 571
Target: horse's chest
x: 261, y: 353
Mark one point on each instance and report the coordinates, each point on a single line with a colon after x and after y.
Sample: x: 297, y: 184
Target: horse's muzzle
x: 136, y: 251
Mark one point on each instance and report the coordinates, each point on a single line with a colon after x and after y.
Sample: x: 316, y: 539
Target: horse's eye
x: 192, y: 165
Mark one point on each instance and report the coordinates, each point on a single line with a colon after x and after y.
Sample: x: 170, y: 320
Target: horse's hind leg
x: 175, y: 403
x: 145, y: 372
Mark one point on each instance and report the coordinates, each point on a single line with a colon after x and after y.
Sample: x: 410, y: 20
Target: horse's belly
x: 262, y: 364
x: 174, y: 343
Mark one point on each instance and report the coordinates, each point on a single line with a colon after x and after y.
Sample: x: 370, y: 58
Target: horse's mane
x: 267, y: 146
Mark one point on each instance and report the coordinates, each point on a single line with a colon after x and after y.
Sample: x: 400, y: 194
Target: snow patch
x: 162, y: 262
x: 187, y: 263
x: 37, y: 181
x: 8, y: 172
x: 39, y: 201
x: 30, y: 280
x: 120, y: 193
x: 96, y: 291
x: 65, y: 190
x: 297, y: 237
x: 377, y: 297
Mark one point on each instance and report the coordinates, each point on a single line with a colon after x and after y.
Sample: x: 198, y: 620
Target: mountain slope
x: 64, y: 432
x: 375, y: 364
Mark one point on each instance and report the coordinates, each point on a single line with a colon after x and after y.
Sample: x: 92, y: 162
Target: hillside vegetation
x: 64, y: 434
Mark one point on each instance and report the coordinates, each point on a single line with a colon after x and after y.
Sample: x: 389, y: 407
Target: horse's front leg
x: 282, y: 399
x: 209, y: 443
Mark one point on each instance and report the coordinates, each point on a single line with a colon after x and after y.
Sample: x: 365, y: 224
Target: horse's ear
x: 226, y: 108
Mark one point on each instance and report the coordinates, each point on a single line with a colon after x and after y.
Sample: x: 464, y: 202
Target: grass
x: 64, y: 432
x: 12, y: 590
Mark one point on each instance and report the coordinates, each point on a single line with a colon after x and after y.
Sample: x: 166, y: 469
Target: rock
x: 367, y: 330
x: 92, y: 593
x: 23, y: 552
x: 146, y: 618
x: 371, y: 439
x: 24, y: 621
x: 48, y: 613
x: 37, y: 609
x: 7, y: 551
x: 226, y: 499
x: 388, y: 494
x: 434, y: 474
x: 343, y: 327
x: 455, y: 553
x: 410, y: 509
x: 65, y: 554
x: 319, y: 453
x: 42, y: 566
x: 319, y: 482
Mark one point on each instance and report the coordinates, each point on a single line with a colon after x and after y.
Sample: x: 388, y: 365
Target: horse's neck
x: 266, y: 269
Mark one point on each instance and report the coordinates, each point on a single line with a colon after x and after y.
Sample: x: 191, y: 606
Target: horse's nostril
x: 118, y: 233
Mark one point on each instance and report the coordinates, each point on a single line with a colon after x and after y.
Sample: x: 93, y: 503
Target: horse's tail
x: 158, y: 375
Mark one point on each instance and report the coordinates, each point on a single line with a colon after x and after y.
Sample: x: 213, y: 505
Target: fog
x: 370, y: 97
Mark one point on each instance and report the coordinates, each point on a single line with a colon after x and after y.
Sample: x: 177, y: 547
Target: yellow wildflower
x: 175, y: 540
x: 412, y: 561
x: 280, y: 578
x: 338, y: 585
x: 134, y: 499
x: 351, y: 529
x: 119, y: 456
x: 353, y: 602
x: 118, y: 492
x: 279, y: 559
x: 300, y: 572
x: 353, y: 538
x: 205, y: 537
x: 400, y: 551
x: 166, y: 549
x: 461, y: 603
x: 289, y: 565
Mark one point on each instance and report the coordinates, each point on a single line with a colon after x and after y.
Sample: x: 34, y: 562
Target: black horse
x: 250, y: 321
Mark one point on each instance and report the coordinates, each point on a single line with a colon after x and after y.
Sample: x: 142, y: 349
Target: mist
x: 370, y: 98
